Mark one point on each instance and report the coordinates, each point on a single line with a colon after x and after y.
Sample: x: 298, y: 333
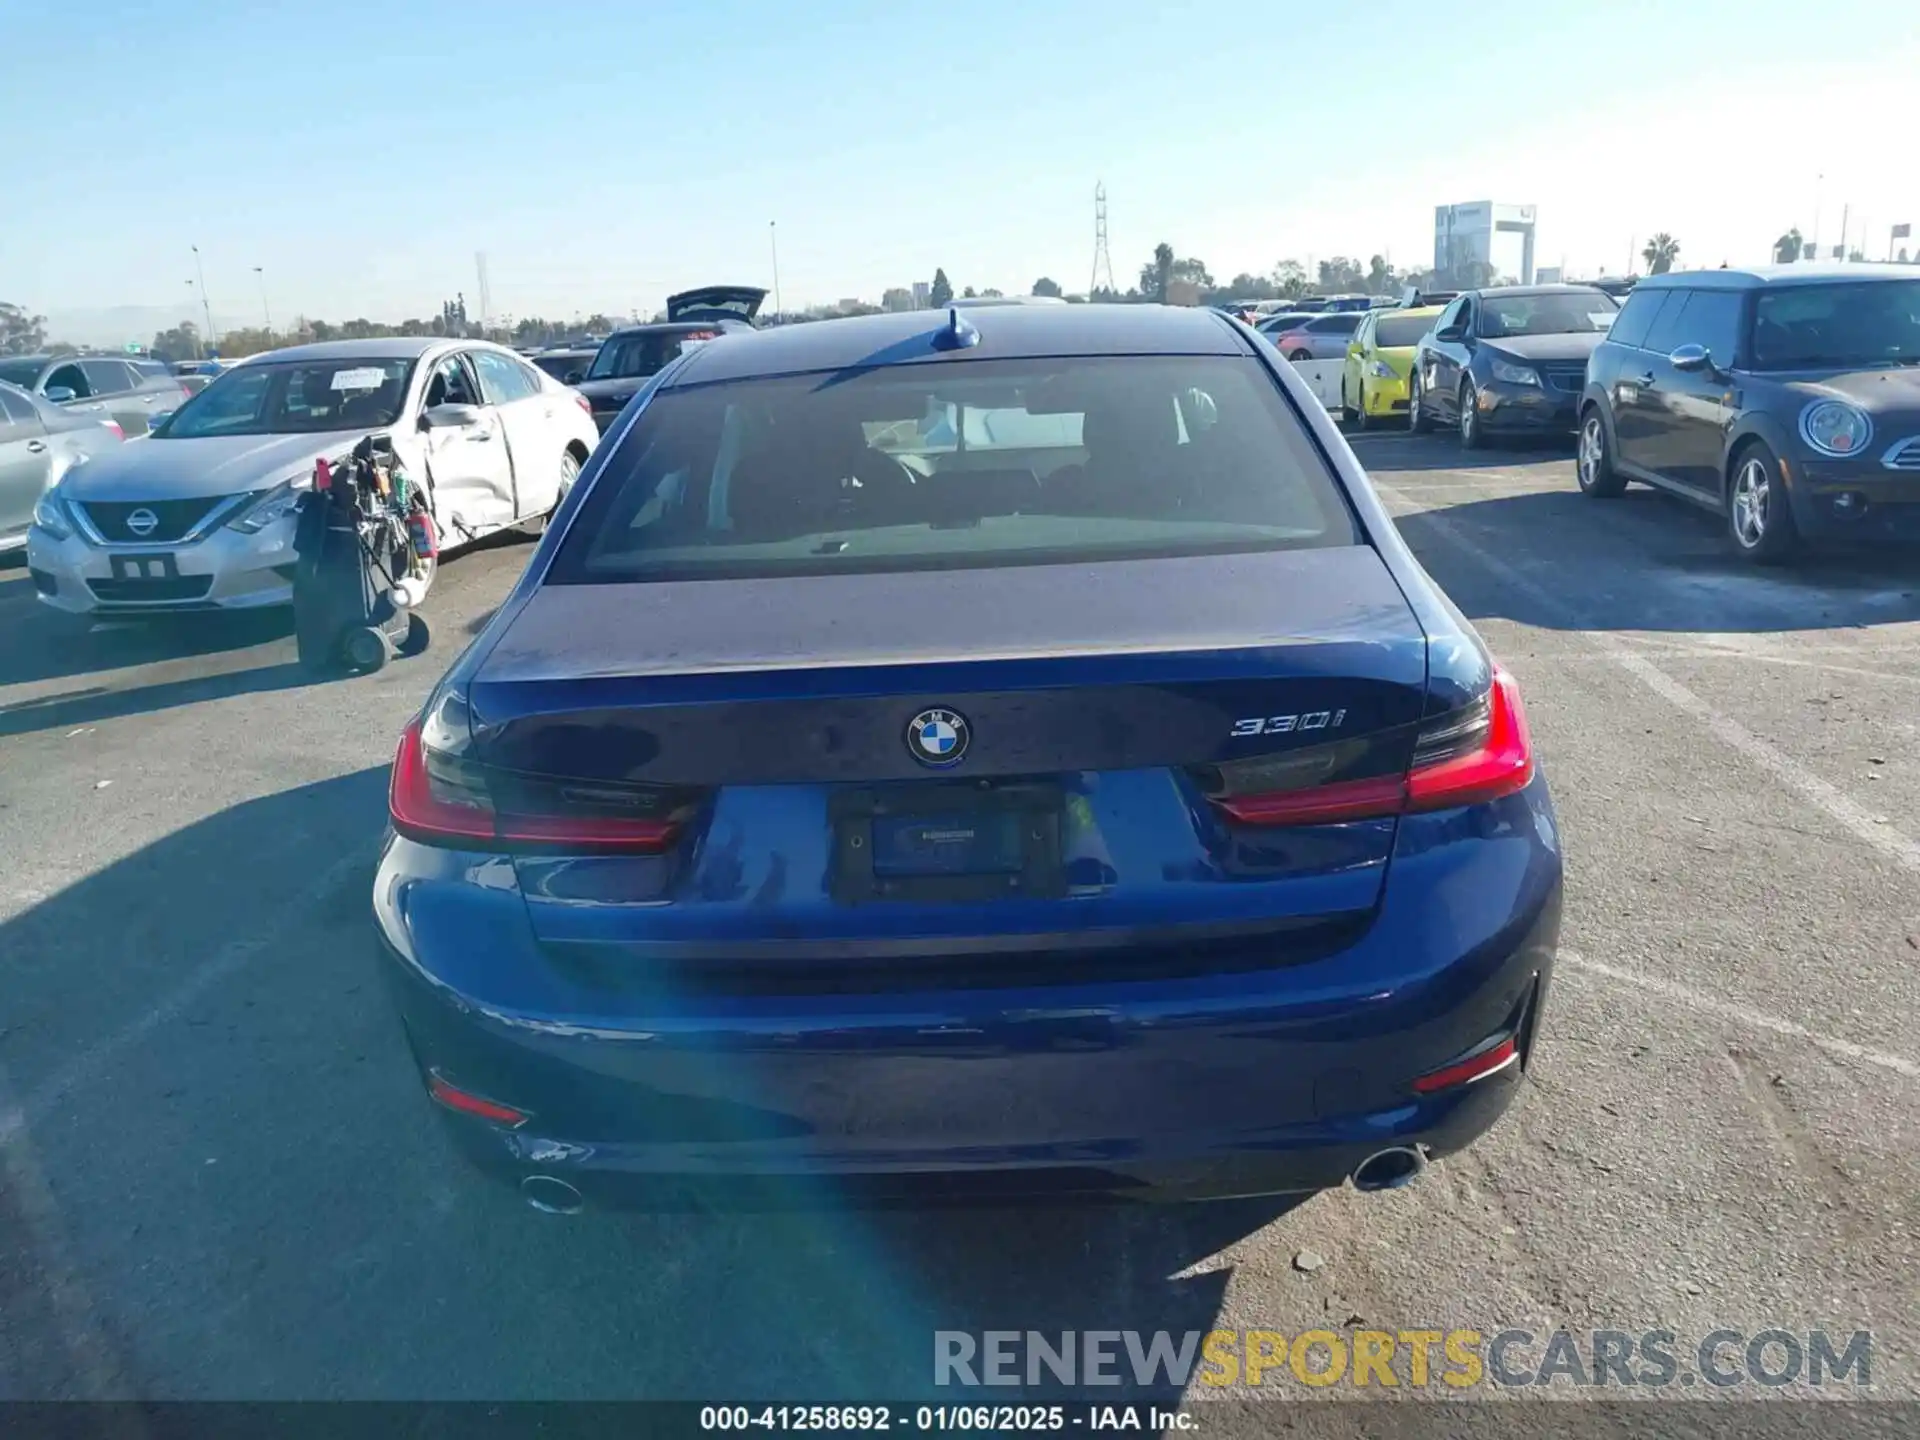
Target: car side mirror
x: 59, y: 394
x: 450, y: 417
x: 1451, y: 335
x: 574, y: 377
x: 1689, y: 359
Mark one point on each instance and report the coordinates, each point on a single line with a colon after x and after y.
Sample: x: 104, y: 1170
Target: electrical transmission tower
x: 486, y: 292
x: 1102, y: 261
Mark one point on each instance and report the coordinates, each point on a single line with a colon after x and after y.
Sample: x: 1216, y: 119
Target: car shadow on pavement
x: 95, y: 703
x: 1643, y: 561
x: 1395, y: 450
x: 218, y: 1152
x: 41, y: 644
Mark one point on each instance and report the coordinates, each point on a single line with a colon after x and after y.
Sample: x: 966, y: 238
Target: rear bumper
x: 1383, y: 397
x: 1211, y: 1085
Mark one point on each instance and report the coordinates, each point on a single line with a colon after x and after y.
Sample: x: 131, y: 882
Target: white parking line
x: 1866, y: 827
x: 1741, y: 1015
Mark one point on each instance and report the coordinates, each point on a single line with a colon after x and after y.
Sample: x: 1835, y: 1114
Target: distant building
x: 922, y: 293
x: 1464, y: 235
x: 1547, y: 275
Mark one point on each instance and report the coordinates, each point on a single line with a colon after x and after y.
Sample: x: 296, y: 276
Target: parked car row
x: 201, y: 516
x: 1785, y: 399
x: 128, y: 390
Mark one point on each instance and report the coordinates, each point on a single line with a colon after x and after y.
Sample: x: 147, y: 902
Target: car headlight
x: 275, y: 504
x: 1380, y: 370
x: 1834, y: 427
x: 51, y: 516
x: 1512, y: 374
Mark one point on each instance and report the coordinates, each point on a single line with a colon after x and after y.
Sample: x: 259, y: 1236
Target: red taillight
x: 437, y: 811
x: 114, y: 425
x: 467, y: 1103
x: 185, y: 393
x: 1500, y: 763
x: 1322, y: 804
x: 1490, y: 1061
x: 582, y: 401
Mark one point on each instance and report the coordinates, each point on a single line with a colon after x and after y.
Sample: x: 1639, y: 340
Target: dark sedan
x: 1785, y: 399
x: 1006, y: 753
x: 1511, y: 360
x: 629, y: 358
x: 568, y: 365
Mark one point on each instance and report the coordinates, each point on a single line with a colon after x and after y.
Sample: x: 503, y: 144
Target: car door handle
x: 37, y: 446
x: 1645, y: 381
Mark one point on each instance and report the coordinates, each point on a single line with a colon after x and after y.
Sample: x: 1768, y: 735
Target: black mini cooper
x: 1785, y: 398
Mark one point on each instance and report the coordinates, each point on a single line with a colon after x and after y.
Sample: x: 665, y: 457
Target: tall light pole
x: 207, y: 305
x: 1819, y: 183
x: 773, y: 242
x: 265, y: 313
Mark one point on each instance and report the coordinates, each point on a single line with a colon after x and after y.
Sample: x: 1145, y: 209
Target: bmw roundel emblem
x: 938, y: 737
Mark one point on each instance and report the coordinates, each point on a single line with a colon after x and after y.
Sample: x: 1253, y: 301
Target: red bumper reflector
x: 1490, y: 1061
x: 454, y: 1098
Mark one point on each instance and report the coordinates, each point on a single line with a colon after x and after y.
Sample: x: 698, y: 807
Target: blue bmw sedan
x: 991, y: 753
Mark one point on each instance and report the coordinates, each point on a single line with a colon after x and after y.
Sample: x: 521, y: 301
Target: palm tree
x: 1162, y: 270
x: 1659, y: 253
x: 1786, y: 249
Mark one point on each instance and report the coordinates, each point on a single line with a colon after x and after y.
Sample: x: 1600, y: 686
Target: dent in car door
x: 470, y: 469
x: 525, y: 417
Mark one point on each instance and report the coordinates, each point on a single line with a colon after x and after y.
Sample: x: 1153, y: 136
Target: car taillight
x: 1468, y: 757
x: 114, y: 425
x: 440, y: 799
x: 185, y: 393
x: 582, y: 401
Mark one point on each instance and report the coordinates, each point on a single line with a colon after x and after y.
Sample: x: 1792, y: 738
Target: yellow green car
x: 1373, y: 385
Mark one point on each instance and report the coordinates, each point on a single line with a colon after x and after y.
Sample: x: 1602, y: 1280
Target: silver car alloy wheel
x: 1751, y: 492
x: 1592, y: 446
x: 1469, y: 413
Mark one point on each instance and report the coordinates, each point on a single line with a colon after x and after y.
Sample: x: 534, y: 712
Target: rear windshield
x: 967, y: 464
x: 634, y: 357
x: 294, y: 398
x: 1391, y: 332
x: 1578, y: 313
x: 21, y: 372
x: 1871, y: 322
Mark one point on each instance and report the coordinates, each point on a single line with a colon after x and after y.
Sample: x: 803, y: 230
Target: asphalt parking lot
x: 218, y: 1178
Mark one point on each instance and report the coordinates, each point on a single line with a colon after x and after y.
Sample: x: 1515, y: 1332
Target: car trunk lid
x: 1097, y: 707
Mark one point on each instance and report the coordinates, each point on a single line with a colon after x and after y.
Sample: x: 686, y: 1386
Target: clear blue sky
x: 603, y: 155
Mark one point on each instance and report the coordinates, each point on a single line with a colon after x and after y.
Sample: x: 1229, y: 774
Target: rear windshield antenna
x: 957, y: 333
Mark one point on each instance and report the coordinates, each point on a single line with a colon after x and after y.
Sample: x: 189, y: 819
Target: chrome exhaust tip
x: 1390, y: 1169
x: 550, y: 1196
